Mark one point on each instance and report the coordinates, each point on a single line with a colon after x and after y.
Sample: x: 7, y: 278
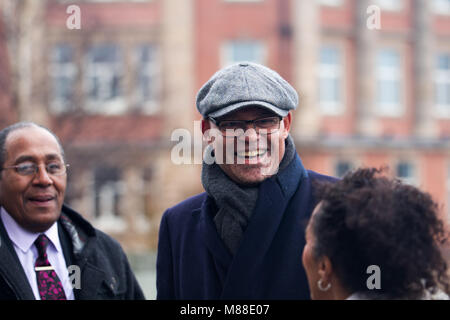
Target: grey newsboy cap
x: 244, y: 84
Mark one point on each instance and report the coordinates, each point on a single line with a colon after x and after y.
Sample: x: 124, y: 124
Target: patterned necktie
x: 49, y: 285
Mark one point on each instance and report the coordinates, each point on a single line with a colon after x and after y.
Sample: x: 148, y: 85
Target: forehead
x: 314, y: 213
x: 248, y: 113
x: 32, y: 142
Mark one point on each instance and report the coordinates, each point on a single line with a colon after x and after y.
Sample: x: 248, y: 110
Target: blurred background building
x: 115, y: 90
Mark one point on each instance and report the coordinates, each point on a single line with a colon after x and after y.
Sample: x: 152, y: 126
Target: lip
x: 251, y: 154
x: 252, y: 158
x: 41, y: 200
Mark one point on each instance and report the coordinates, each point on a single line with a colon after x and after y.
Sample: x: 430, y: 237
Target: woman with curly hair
x: 367, y: 223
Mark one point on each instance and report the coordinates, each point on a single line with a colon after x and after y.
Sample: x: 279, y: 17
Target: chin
x: 250, y: 180
x: 43, y: 222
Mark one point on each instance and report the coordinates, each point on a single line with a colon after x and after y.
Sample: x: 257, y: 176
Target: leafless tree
x: 23, y: 31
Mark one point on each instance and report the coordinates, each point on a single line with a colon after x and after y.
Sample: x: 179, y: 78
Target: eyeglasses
x: 236, y: 128
x: 29, y: 169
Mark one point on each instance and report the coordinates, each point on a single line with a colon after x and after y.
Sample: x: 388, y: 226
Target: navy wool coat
x: 194, y: 263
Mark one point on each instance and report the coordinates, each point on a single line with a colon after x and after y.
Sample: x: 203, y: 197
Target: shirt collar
x: 24, y: 239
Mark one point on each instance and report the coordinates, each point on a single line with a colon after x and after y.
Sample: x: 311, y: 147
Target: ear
x: 325, y: 268
x: 287, y: 124
x: 206, y: 128
x: 206, y: 125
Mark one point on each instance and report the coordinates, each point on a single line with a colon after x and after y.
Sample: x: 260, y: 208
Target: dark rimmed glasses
x: 236, y: 128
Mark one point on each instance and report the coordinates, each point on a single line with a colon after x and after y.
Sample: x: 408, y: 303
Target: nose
x: 250, y: 133
x: 42, y: 177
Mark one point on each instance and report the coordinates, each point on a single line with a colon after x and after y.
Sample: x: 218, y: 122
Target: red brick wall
x: 218, y: 21
x: 121, y: 15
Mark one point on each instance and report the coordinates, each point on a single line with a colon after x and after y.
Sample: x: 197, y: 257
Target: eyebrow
x: 25, y: 158
x: 262, y: 117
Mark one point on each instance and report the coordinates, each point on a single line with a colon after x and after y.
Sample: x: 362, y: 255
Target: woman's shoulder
x: 438, y: 294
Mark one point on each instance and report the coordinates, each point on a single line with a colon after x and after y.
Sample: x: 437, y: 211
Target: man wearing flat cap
x: 243, y: 237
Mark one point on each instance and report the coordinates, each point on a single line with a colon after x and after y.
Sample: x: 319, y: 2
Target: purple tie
x: 49, y: 285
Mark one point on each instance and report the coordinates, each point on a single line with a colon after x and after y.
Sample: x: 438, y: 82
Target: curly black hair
x: 368, y: 219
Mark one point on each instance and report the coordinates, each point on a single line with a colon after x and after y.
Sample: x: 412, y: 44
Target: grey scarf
x: 236, y: 203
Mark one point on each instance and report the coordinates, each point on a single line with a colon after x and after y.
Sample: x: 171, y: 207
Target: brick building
x: 115, y: 90
x: 368, y: 97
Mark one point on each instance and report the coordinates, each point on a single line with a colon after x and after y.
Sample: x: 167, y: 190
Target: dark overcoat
x: 103, y: 266
x: 193, y: 262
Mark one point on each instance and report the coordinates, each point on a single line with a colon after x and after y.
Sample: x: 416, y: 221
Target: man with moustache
x: 243, y: 237
x: 40, y: 238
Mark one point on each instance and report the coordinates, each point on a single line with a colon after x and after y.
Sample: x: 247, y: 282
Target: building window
x: 405, y: 171
x: 342, y: 167
x: 389, y: 83
x: 331, y: 3
x: 104, y: 80
x: 108, y: 189
x: 63, y: 72
x: 441, y: 7
x: 330, y: 80
x: 442, y: 85
x: 390, y: 5
x: 243, y: 50
x: 147, y: 85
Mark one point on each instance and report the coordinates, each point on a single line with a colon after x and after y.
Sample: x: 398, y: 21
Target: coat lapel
x: 239, y: 270
x: 256, y: 241
x: 11, y: 268
x: 273, y: 199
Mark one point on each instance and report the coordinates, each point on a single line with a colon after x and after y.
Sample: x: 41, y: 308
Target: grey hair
x: 4, y: 133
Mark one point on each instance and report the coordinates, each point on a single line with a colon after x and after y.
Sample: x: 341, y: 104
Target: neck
x: 338, y: 291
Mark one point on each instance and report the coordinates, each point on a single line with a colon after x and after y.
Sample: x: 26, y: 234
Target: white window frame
x: 228, y: 47
x: 339, y: 159
x: 414, y: 178
x: 441, y: 7
x: 441, y: 77
x: 151, y: 70
x: 390, y: 5
x: 58, y: 70
x: 388, y: 73
x: 332, y: 72
x: 106, y: 72
x: 106, y: 219
x: 331, y: 3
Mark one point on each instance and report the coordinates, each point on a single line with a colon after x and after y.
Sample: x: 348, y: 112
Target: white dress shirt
x: 23, y: 242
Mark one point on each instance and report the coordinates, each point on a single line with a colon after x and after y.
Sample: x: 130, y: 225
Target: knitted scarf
x: 236, y: 203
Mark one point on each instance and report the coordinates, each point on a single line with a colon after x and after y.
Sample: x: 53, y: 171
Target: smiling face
x: 34, y: 201
x: 252, y: 157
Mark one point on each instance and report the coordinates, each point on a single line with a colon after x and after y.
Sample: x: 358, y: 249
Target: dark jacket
x: 105, y: 272
x: 193, y: 262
